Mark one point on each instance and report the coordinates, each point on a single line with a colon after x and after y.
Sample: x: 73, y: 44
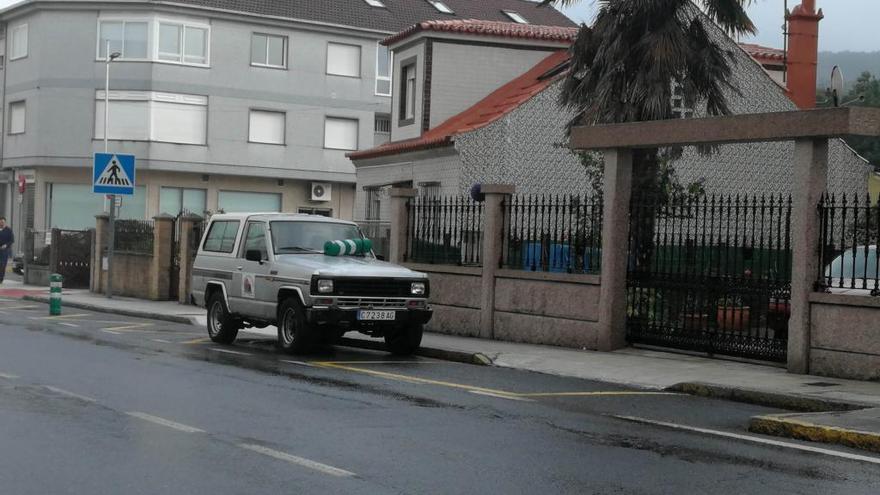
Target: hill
x: 851, y: 63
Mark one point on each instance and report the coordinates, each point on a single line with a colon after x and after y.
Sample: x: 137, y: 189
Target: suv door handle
x: 240, y: 267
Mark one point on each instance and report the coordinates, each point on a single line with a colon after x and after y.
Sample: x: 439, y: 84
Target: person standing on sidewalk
x: 6, y: 240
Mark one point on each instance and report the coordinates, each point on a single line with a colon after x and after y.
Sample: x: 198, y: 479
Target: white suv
x: 264, y: 269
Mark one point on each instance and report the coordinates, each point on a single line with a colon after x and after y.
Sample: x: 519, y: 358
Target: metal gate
x: 73, y: 249
x: 711, y: 274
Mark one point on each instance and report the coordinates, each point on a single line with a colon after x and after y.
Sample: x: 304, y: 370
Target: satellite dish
x: 837, y: 84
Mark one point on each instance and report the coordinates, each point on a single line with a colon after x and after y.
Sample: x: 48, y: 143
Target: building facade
x: 228, y: 106
x: 516, y: 133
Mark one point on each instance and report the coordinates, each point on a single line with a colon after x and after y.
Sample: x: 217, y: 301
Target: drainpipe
x: 803, y: 53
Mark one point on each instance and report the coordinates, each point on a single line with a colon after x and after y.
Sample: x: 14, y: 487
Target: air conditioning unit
x: 321, y: 191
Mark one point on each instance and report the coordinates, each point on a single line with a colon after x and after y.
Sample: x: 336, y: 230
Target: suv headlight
x: 325, y: 286
x: 417, y: 289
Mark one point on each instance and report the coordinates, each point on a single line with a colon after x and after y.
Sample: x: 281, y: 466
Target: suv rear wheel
x: 295, y: 335
x: 404, y: 341
x: 222, y: 327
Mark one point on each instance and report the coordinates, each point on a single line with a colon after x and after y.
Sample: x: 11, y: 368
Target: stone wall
x: 141, y: 275
x: 845, y: 336
x: 531, y: 307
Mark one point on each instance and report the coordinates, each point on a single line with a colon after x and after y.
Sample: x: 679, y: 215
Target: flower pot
x: 693, y: 321
x: 733, y: 318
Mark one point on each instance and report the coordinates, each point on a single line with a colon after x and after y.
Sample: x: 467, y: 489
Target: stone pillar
x: 399, y: 223
x: 493, y: 246
x: 160, y: 277
x: 101, y: 232
x: 187, y: 254
x: 617, y: 190
x: 810, y: 181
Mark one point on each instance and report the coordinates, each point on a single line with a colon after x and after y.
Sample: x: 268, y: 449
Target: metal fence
x: 195, y: 237
x: 37, y: 247
x: 380, y: 233
x: 552, y: 233
x: 849, y: 233
x: 444, y: 230
x: 134, y: 236
x: 711, y: 274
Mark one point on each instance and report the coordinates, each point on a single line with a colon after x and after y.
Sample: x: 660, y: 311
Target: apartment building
x: 228, y: 106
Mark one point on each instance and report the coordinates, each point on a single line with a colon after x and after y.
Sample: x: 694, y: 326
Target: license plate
x: 371, y: 315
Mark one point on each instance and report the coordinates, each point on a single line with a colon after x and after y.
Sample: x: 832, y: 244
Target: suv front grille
x: 370, y: 303
x: 372, y: 287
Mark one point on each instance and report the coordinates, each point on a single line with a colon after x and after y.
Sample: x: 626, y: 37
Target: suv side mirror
x: 254, y: 255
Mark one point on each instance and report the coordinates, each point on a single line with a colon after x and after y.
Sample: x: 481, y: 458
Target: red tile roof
x: 764, y: 54
x: 489, y: 28
x: 491, y: 108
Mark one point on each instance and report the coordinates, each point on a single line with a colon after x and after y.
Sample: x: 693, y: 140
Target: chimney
x: 803, y: 53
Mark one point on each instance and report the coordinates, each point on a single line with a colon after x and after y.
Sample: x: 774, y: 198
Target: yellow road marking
x: 58, y: 317
x: 480, y: 390
x: 128, y: 327
x: 196, y: 341
x: 387, y: 362
x: 595, y: 394
x: 413, y: 379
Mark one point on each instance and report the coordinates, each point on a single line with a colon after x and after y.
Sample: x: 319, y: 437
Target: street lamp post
x: 111, y: 236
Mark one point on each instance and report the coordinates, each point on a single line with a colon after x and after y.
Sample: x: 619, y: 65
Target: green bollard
x: 55, y: 294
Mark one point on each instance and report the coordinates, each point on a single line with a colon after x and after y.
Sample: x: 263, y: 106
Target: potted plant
x: 732, y: 314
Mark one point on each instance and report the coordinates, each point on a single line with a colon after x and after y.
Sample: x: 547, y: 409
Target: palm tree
x: 638, y: 53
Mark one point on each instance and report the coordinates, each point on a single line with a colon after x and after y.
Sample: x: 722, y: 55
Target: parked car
x: 255, y: 270
x: 854, y: 272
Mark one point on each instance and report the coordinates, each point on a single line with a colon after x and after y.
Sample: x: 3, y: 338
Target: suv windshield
x: 308, y: 237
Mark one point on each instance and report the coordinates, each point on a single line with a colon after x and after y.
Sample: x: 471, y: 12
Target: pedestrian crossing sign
x: 113, y: 173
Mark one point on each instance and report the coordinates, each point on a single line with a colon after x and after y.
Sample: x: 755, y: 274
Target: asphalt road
x: 96, y: 403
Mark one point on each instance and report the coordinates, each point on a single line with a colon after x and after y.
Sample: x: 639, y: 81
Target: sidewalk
x: 759, y: 384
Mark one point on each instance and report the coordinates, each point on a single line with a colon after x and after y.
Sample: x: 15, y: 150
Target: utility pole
x: 111, y: 236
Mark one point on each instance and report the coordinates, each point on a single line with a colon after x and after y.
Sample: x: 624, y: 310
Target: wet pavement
x: 98, y: 403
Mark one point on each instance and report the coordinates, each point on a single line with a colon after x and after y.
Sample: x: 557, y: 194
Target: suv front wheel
x: 294, y: 333
x: 404, y: 341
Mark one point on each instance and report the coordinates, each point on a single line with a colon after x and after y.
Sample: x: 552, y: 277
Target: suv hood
x: 346, y: 266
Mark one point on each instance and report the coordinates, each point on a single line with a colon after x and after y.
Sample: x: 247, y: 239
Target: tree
x: 636, y: 55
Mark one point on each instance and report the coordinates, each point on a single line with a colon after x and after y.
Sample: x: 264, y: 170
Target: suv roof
x: 267, y: 216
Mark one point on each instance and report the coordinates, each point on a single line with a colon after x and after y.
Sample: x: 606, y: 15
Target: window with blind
x: 153, y: 116
x: 343, y: 60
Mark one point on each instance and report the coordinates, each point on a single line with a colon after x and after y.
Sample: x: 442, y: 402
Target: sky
x: 848, y: 24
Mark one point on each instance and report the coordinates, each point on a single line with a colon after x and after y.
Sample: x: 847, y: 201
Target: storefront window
x: 177, y: 200
x: 74, y: 206
x: 246, y: 202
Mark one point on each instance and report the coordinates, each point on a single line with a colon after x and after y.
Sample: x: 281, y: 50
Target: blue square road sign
x: 113, y: 173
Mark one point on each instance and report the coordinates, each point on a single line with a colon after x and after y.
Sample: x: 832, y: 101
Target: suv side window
x: 221, y: 237
x: 255, y: 239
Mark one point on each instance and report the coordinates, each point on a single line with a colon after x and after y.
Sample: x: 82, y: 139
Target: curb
x: 770, y: 399
x: 124, y: 312
x: 430, y: 352
x: 784, y: 426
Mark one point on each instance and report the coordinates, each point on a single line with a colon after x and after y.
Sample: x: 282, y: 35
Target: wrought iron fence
x: 37, y: 247
x: 849, y: 233
x: 73, y: 256
x: 711, y: 274
x: 195, y: 237
x: 444, y: 230
x: 134, y: 236
x: 552, y: 233
x: 380, y: 233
